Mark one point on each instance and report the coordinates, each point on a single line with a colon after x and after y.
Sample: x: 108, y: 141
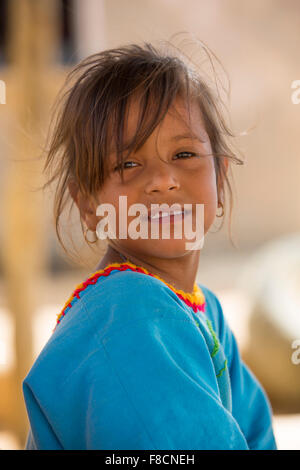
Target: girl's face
x: 173, y: 166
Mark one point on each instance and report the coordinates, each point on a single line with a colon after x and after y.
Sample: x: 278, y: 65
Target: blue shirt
x: 132, y: 366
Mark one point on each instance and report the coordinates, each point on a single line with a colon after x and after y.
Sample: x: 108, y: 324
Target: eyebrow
x: 175, y: 138
x: 186, y: 136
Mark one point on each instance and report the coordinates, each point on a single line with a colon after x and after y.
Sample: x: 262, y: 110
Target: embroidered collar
x: 195, y: 300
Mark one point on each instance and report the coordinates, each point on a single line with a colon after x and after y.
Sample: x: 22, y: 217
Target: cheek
x: 111, y: 195
x: 205, y: 192
x: 211, y: 195
x: 203, y: 183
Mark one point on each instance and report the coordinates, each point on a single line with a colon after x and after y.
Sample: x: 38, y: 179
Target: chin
x: 163, y: 249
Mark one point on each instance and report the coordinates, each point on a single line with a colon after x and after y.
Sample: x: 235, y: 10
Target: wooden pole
x: 33, y: 40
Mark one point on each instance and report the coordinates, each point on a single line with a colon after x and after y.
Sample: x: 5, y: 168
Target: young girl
x: 141, y: 356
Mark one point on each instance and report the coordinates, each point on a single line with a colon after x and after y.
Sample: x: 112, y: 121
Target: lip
x: 170, y: 218
x: 156, y: 208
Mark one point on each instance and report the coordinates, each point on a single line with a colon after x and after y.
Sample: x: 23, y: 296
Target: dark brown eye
x: 124, y: 167
x: 184, y: 155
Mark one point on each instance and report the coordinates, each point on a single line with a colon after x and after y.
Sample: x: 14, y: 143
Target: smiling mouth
x: 162, y: 217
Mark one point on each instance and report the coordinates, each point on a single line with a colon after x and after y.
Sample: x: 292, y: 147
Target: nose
x: 161, y: 178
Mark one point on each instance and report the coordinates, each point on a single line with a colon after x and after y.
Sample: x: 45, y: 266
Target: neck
x: 179, y: 272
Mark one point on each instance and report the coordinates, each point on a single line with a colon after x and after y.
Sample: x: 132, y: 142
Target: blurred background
x: 257, y: 279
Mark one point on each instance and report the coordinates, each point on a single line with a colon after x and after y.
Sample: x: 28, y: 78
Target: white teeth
x: 165, y: 214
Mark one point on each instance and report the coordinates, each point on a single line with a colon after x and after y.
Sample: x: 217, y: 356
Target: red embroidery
x: 196, y: 300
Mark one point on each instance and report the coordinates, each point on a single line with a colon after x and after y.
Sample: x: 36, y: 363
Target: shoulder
x: 111, y: 304
x: 113, y: 289
x: 130, y: 297
x: 213, y: 308
x: 125, y: 309
x: 214, y: 313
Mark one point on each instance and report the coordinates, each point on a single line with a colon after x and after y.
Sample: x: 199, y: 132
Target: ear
x: 73, y: 190
x: 85, y: 207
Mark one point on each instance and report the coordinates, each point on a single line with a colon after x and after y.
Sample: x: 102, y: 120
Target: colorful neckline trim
x: 195, y: 300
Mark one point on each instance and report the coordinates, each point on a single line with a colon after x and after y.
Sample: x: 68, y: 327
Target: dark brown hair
x: 91, y: 112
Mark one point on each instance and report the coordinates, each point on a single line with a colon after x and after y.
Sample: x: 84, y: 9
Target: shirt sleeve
x: 250, y: 404
x: 41, y: 436
x: 30, y: 444
x: 159, y: 390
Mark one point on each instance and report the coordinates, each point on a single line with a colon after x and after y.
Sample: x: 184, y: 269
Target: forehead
x: 183, y: 118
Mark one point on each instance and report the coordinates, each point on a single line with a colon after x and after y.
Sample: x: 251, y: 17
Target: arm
x: 41, y: 435
x: 250, y: 405
x: 30, y: 444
